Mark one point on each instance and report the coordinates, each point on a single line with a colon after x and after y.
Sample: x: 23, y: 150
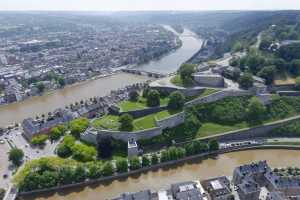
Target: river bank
x: 38, y: 105
x: 109, y: 183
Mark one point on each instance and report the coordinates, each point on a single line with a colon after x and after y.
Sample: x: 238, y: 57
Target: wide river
x: 191, y: 44
x: 38, y: 105
x: 161, y: 179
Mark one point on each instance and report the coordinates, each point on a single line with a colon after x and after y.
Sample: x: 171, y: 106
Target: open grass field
x: 111, y: 122
x: 209, y: 129
x: 140, y: 104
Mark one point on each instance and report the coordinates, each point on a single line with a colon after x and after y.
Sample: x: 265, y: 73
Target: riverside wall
x: 156, y: 167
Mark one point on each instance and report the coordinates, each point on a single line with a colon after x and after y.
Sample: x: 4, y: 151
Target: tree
x: 79, y: 173
x: 39, y: 140
x: 153, y: 98
x: 122, y: 165
x: 268, y: 73
x: 16, y: 156
x: 134, y: 163
x: 246, y: 81
x: 107, y: 169
x: 165, y: 156
x: 256, y: 110
x: 83, y: 152
x: 145, y: 92
x: 213, y: 145
x: 191, y: 123
x: 40, y: 86
x: 66, y: 175
x: 55, y: 133
x: 2, y: 193
x: 133, y: 95
x: 145, y: 161
x: 105, y: 147
x: 186, y: 71
x: 94, y: 171
x: 64, y: 151
x: 154, y: 159
x: 126, y: 122
x: 61, y: 81
x: 78, y: 126
x: 176, y: 101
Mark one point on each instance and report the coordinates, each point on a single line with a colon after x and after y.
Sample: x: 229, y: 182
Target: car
x: 2, y: 142
x: 5, y: 175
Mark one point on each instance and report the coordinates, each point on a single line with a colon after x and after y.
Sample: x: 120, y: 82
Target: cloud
x: 148, y: 4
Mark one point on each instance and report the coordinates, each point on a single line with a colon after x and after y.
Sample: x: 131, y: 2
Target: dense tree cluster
x: 78, y: 151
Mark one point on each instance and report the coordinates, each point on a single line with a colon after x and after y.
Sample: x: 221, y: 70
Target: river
x: 161, y: 179
x: 38, y: 105
x: 191, y: 44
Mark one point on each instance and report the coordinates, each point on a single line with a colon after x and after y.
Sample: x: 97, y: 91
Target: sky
x: 126, y: 5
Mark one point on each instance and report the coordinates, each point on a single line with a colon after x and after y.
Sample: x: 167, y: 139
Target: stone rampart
x: 218, y: 96
x: 171, y: 121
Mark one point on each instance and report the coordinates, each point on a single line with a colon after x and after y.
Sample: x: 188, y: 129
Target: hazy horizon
x: 146, y: 5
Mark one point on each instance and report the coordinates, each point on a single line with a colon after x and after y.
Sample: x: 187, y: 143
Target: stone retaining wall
x: 171, y: 121
x: 218, y: 96
x: 126, y: 136
x: 144, y: 112
x: 185, y: 91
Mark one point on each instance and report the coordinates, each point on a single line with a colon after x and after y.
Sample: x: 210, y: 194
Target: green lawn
x: 111, y: 122
x: 166, y: 113
x: 209, y: 129
x: 140, y: 104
